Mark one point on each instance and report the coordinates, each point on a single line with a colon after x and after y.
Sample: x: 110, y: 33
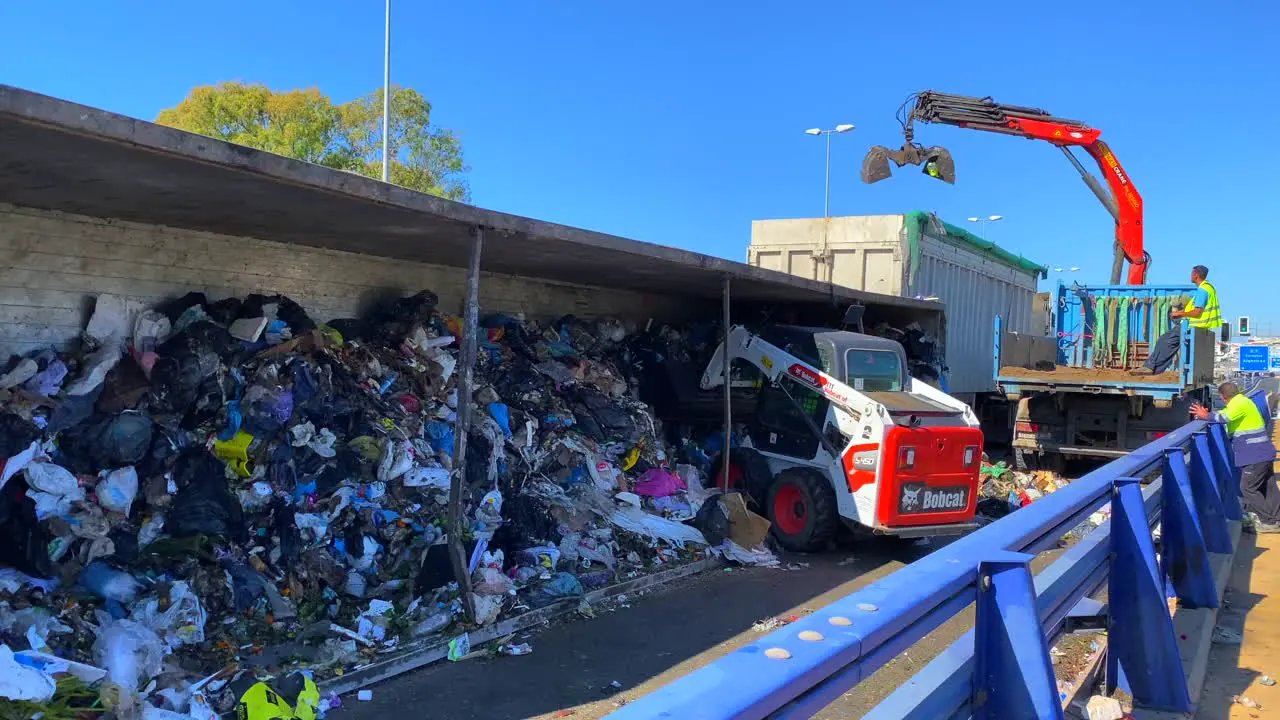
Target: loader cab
x: 866, y: 363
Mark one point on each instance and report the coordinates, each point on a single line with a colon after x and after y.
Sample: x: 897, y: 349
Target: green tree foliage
x: 308, y: 125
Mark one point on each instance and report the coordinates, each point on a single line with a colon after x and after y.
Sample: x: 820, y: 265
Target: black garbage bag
x: 294, y: 316
x: 23, y: 541
x: 599, y: 417
x: 125, y: 540
x: 224, y: 312
x: 286, y: 309
x: 416, y: 309
x: 73, y: 410
x: 286, y: 530
x: 16, y: 434
x: 173, y: 309
x: 713, y: 521
x: 354, y: 328
x: 205, y: 504
x: 106, y: 441
x: 994, y: 508
x: 247, y: 585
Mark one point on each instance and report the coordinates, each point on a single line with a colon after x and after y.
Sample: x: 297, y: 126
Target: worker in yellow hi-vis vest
x: 1253, y: 452
x: 1201, y: 312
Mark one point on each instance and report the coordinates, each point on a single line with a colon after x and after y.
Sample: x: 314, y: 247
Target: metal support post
x: 728, y: 395
x: 466, y: 372
x: 1142, y: 648
x: 1206, y: 489
x: 1013, y: 675
x: 1183, y: 553
x: 386, y: 101
x: 1228, y: 474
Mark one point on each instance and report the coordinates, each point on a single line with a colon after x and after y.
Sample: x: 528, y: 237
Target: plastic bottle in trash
x: 433, y: 624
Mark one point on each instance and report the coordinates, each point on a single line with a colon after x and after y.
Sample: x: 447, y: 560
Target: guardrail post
x: 1013, y: 675
x: 1228, y: 475
x: 1207, y: 491
x: 1142, y: 648
x: 1183, y: 552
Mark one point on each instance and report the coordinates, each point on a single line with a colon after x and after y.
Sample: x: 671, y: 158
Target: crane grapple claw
x: 938, y: 164
x: 875, y: 166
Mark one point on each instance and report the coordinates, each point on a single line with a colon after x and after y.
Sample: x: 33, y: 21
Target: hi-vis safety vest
x: 1211, y: 315
x: 1250, y: 442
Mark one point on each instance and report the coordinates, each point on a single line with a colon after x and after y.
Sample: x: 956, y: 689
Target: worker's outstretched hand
x: 1199, y: 411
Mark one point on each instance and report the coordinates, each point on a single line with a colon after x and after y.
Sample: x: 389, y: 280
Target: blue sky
x: 680, y: 122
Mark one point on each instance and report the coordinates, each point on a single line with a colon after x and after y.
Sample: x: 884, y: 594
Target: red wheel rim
x: 789, y: 510
x: 735, y: 477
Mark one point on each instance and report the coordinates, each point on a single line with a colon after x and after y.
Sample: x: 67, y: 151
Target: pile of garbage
x: 1005, y: 490
x: 205, y: 494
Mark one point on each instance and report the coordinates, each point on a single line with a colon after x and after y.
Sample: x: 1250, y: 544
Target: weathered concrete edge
x: 1194, y: 629
x: 68, y: 117
x: 437, y: 650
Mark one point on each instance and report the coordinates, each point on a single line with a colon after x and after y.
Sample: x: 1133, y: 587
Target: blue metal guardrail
x: 1001, y: 668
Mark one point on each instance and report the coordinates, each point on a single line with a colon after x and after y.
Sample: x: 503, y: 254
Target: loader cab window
x: 780, y: 425
x: 873, y: 370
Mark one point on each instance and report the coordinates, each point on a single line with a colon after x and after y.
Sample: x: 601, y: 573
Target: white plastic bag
x: 182, y: 624
x: 430, y: 477
x: 130, y: 652
x: 487, y: 607
x: 396, y: 461
x: 53, y: 479
x: 96, y: 366
x: 117, y: 489
x: 19, y: 682
x: 491, y: 581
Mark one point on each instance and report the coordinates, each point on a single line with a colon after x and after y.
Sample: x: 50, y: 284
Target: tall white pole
x: 386, y: 101
x: 826, y: 195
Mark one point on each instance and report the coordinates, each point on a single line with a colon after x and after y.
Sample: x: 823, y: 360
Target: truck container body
x: 1075, y: 393
x: 913, y: 255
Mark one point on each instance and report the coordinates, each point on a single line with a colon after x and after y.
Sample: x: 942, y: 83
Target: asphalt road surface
x: 661, y: 636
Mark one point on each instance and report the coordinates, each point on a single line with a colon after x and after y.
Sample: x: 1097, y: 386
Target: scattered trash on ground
x: 1101, y: 707
x: 1227, y: 636
x: 1246, y: 701
x: 773, y: 623
x: 1267, y: 680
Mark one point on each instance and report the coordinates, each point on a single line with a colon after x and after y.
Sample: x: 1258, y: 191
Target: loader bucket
x: 875, y: 166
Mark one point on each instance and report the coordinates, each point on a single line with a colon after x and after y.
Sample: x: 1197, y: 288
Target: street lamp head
x: 994, y: 218
x: 844, y: 128
x: 1074, y: 268
x: 813, y: 131
x: 974, y: 219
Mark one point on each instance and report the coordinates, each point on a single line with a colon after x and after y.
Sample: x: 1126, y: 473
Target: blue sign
x: 1255, y: 358
x: 1275, y: 362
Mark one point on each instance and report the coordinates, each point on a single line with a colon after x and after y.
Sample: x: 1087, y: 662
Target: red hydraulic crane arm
x: 1124, y: 202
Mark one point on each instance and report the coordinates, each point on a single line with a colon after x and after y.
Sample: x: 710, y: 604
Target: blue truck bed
x: 1101, y: 333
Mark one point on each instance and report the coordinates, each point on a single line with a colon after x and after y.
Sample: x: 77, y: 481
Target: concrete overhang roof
x: 57, y: 155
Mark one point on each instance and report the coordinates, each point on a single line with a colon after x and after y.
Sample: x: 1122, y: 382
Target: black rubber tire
x: 756, y: 476
x: 821, y: 517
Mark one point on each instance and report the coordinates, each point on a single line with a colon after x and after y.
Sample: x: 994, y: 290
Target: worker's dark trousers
x: 1164, y: 351
x: 1261, y: 495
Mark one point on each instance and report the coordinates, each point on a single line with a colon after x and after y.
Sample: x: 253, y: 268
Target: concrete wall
x: 52, y: 266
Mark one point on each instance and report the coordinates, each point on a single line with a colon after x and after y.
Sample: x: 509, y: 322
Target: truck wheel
x: 802, y: 508
x: 748, y: 472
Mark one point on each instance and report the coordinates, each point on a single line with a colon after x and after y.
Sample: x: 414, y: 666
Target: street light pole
x: 982, y: 223
x: 826, y: 196
x: 386, y: 100
x: 826, y: 189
